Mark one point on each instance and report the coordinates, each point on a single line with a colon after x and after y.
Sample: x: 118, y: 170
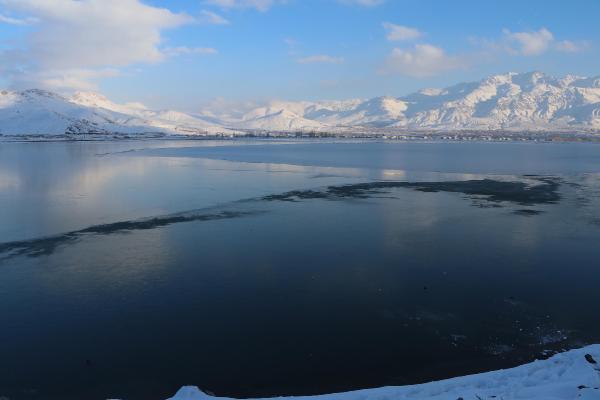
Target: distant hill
x: 40, y: 112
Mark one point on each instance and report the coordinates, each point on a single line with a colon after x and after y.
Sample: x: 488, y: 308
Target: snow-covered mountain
x: 39, y: 112
x: 530, y: 101
x: 513, y: 101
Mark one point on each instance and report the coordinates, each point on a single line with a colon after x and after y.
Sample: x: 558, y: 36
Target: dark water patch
x: 296, y: 195
x: 324, y: 175
x: 483, y: 203
x: 47, y: 245
x: 527, y: 212
x: 595, y: 221
x: 490, y: 190
x: 546, y: 192
x: 158, y: 222
x: 35, y: 247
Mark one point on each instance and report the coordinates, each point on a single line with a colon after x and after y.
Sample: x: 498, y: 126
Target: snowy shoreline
x: 574, y: 374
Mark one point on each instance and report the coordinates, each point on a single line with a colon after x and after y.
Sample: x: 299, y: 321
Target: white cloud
x: 421, y: 61
x: 320, y: 59
x: 568, y: 46
x: 211, y: 18
x: 17, y: 21
x: 528, y: 43
x: 531, y: 43
x: 292, y: 46
x: 228, y: 109
x: 290, y: 41
x: 400, y: 32
x: 260, y: 5
x: 66, y: 79
x: 184, y: 50
x: 366, y: 3
x: 85, y: 38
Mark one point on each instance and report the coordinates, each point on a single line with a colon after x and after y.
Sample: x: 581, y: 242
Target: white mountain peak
x: 40, y: 112
x: 511, y: 101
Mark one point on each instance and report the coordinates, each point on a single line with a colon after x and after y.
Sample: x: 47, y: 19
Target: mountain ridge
x: 531, y: 101
x: 41, y: 112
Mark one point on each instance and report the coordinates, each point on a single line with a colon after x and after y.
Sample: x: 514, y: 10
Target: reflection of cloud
x: 119, y: 264
x: 311, y: 171
x: 93, y: 177
x: 524, y: 232
x: 410, y: 216
x: 396, y: 174
x: 9, y: 181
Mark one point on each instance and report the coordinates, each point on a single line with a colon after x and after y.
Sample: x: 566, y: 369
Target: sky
x: 188, y: 54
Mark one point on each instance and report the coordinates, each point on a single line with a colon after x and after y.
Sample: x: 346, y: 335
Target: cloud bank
x: 260, y: 5
x: 72, y: 44
x: 400, y: 32
x: 423, y: 60
x: 320, y: 59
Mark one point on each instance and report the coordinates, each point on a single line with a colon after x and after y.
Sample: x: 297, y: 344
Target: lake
x: 261, y: 268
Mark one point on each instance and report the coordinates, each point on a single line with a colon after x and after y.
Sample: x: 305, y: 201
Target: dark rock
x: 590, y: 359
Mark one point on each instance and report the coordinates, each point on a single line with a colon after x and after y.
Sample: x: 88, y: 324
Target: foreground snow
x: 564, y: 376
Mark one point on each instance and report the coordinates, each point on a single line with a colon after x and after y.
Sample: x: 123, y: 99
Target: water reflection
x: 8, y: 182
x: 67, y: 186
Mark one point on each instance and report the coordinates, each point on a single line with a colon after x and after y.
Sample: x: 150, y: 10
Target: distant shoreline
x: 421, y: 136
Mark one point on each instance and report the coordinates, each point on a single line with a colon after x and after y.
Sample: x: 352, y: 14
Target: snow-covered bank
x: 571, y: 375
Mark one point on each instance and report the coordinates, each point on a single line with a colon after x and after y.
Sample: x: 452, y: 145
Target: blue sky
x: 186, y: 53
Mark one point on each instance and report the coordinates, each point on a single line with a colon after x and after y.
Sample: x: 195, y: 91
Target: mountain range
x: 508, y: 102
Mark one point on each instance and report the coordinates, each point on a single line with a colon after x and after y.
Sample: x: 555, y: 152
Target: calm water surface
x: 129, y: 269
